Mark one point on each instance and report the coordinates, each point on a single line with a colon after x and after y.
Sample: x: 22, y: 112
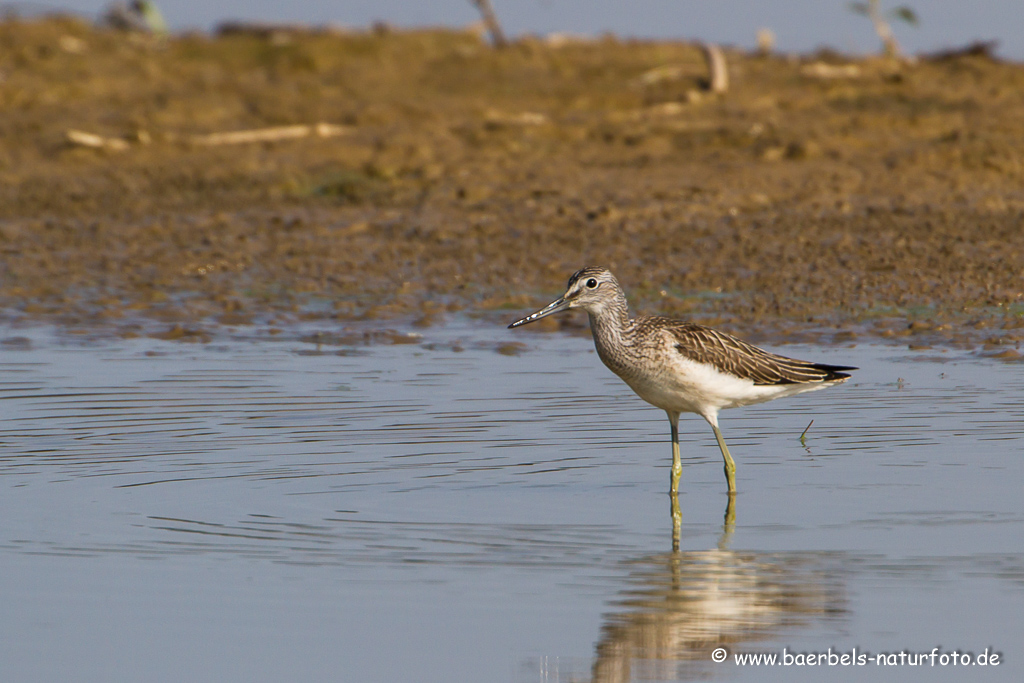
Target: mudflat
x: 414, y: 175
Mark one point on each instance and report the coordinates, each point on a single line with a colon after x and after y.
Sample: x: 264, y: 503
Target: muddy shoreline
x: 821, y: 199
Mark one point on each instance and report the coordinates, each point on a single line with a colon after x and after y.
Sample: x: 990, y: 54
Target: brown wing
x: 737, y: 357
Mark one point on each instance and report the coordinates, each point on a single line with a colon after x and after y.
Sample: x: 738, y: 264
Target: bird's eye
x: 591, y: 283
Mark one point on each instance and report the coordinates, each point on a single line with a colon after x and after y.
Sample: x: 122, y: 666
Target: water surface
x: 254, y: 510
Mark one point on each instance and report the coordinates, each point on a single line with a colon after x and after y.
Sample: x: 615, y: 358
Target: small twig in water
x: 803, y: 434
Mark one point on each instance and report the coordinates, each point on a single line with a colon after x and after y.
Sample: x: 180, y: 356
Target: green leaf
x: 906, y: 14
x: 860, y: 8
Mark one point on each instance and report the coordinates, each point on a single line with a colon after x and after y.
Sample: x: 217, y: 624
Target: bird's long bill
x: 559, y: 304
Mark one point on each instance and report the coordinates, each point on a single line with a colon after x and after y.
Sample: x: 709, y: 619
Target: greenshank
x: 682, y: 367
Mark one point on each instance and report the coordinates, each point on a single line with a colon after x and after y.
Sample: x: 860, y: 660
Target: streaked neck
x: 611, y: 320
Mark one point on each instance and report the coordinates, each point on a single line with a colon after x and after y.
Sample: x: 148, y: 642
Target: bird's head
x: 591, y: 288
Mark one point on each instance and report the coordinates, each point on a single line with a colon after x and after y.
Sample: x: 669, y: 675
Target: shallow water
x: 254, y: 510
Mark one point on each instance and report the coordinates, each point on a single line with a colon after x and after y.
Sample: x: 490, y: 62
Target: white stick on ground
x: 237, y: 137
x: 718, y: 69
x: 83, y: 139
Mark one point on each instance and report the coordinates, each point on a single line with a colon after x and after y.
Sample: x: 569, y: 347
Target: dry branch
x: 830, y: 71
x: 235, y: 137
x: 718, y: 69
x: 491, y: 22
x: 239, y: 137
x: 83, y: 139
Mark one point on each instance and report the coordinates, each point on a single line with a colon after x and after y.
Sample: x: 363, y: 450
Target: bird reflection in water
x: 679, y: 606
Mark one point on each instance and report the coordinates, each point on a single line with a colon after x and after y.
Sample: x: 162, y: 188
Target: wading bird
x: 683, y: 367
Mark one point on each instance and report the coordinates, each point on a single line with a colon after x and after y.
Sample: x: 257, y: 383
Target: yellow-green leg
x: 677, y: 463
x: 730, y: 466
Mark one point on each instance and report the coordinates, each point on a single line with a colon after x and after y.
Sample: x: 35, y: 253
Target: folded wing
x: 736, y: 357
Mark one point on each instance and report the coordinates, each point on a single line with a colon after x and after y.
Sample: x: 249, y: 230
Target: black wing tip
x: 835, y: 372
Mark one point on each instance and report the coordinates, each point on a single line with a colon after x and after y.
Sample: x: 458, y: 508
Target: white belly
x: 690, y: 387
